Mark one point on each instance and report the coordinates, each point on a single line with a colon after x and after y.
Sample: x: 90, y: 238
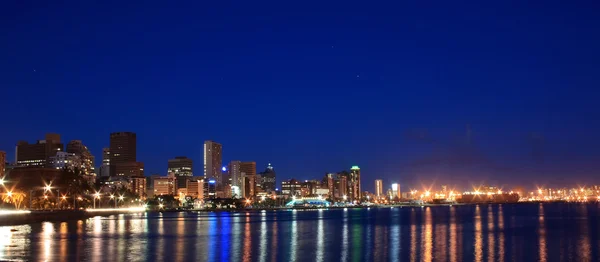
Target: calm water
x: 524, y: 232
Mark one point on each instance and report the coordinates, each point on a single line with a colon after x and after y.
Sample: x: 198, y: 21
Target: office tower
x: 291, y: 188
x: 213, y: 160
x: 248, y: 173
x: 379, y: 188
x: 163, y: 185
x: 354, y: 192
x: 105, y: 168
x: 209, y: 188
x: 233, y: 169
x: 2, y: 164
x: 86, y: 158
x: 342, y: 187
x: 123, y: 151
x: 38, y: 154
x: 396, y: 193
x: 64, y: 160
x: 137, y: 185
x: 181, y: 167
x: 268, y: 179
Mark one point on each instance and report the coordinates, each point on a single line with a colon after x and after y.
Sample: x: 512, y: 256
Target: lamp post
x: 120, y: 199
x: 97, y: 195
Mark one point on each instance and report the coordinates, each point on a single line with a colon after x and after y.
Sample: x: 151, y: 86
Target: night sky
x: 416, y: 93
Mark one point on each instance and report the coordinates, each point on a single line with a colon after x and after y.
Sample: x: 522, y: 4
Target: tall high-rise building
x: 38, y: 154
x: 2, y: 164
x: 213, y: 160
x: 396, y: 193
x: 354, y: 192
x: 86, y: 158
x: 248, y: 173
x: 105, y: 168
x: 181, y: 167
x: 123, y: 153
x: 268, y: 179
x: 234, y: 173
x: 379, y: 188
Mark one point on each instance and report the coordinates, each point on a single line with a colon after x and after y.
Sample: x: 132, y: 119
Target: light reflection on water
x: 528, y: 232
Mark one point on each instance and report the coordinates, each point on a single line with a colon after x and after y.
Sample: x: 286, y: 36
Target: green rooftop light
x: 355, y: 167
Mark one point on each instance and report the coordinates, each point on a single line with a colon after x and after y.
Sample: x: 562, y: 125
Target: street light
x: 345, y: 197
x: 97, y: 195
x: 1, y: 181
x: 9, y: 194
x: 120, y: 199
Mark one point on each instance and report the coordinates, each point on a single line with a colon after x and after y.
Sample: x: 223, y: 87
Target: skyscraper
x: 2, y: 164
x: 86, y: 158
x: 233, y: 169
x: 213, y: 160
x: 123, y: 153
x: 181, y: 167
x: 38, y: 154
x: 248, y: 173
x: 379, y: 188
x: 268, y: 178
x: 354, y: 192
x: 105, y: 168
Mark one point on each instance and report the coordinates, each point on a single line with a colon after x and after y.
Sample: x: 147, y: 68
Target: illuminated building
x: 105, y: 167
x: 248, y: 173
x: 86, y: 158
x: 354, y: 190
x: 164, y: 185
x: 182, y: 168
x: 396, y: 193
x: 38, y: 154
x: 341, y: 187
x: 210, y: 188
x: 123, y: 154
x: 212, y: 160
x: 137, y: 185
x: 2, y: 164
x: 379, y: 188
x: 329, y: 180
x: 64, y: 160
x: 291, y: 187
x: 268, y: 179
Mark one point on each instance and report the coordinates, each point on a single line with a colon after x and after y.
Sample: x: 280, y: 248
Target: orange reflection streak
x: 427, y: 246
x: 441, y: 245
x: 47, y: 232
x: 542, y: 235
x: 180, y: 238
x: 413, y: 237
x: 247, y: 241
x: 491, y: 242
x: 585, y: 248
x: 64, y: 234
x: 501, y: 234
x: 478, y: 246
x: 453, y: 234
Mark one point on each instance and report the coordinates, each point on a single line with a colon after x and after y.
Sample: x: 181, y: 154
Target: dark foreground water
x: 517, y: 232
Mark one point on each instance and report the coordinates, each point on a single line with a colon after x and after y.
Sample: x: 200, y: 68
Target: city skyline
x: 410, y: 93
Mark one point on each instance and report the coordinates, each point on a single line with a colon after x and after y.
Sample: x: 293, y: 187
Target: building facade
x: 164, y: 186
x: 268, y: 179
x: 354, y: 189
x: 105, y: 167
x: 123, y: 155
x: 2, y: 164
x: 248, y: 173
x: 379, y: 188
x: 182, y: 168
x: 291, y: 188
x: 213, y: 160
x: 86, y: 158
x: 38, y: 155
x: 137, y: 185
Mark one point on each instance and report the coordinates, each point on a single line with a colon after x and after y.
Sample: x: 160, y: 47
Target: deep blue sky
x: 394, y: 88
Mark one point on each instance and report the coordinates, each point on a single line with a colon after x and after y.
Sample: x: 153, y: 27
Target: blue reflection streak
x: 225, y: 232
